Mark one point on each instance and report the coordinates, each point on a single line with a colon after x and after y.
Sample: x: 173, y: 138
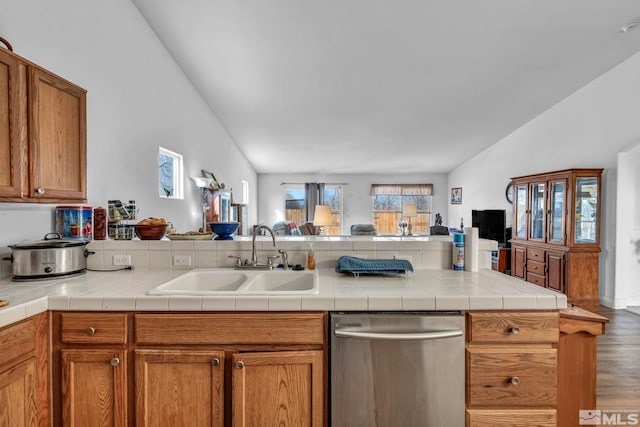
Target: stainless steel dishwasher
x: 397, y: 369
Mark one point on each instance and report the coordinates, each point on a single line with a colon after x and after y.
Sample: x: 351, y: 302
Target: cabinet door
x: 18, y: 395
x: 278, y: 388
x: 57, y: 137
x: 537, y: 219
x: 518, y: 263
x: 585, y: 227
x: 520, y: 210
x: 557, y: 208
x: 555, y: 271
x: 179, y: 388
x: 94, y: 388
x: 12, y: 128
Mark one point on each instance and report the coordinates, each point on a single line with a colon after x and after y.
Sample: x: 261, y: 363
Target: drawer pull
x: 215, y: 361
x: 115, y: 362
x: 239, y: 365
x: 90, y: 330
x: 514, y: 380
x: 515, y: 330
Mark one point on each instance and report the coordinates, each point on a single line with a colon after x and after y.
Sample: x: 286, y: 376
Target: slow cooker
x: 48, y: 258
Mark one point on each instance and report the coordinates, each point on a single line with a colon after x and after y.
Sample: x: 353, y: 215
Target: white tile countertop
x: 420, y: 290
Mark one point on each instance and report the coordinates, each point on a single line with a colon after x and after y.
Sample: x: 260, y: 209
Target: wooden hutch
x: 556, y: 232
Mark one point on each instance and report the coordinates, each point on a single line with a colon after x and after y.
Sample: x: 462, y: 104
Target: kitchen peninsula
x: 107, y: 334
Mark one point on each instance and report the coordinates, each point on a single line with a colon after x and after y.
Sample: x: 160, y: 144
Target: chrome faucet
x: 254, y: 257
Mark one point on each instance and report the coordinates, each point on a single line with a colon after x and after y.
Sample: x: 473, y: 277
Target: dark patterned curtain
x: 313, y: 195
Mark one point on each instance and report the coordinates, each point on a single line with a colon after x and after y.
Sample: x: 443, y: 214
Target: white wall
x: 356, y: 194
x: 138, y: 99
x: 587, y: 129
x: 627, y: 265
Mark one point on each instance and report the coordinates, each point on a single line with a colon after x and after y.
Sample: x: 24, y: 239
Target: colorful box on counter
x: 74, y: 222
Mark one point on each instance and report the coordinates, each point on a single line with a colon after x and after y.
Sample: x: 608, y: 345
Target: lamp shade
x: 410, y: 209
x: 202, y: 182
x: 322, y: 215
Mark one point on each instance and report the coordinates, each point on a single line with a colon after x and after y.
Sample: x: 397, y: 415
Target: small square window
x: 170, y: 174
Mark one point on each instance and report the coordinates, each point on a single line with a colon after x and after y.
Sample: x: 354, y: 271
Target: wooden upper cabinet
x: 559, y: 208
x: 43, y: 139
x: 12, y: 124
x: 57, y: 137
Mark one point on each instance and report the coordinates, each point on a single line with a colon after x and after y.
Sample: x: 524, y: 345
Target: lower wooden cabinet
x: 23, y: 373
x: 207, y: 369
x: 94, y: 388
x: 18, y: 395
x: 283, y: 388
x: 512, y: 418
x: 512, y: 368
x: 179, y: 388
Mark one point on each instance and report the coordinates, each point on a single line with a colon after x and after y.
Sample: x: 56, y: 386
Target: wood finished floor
x: 618, y: 360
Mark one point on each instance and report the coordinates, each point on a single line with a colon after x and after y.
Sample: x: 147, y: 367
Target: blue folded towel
x: 350, y: 264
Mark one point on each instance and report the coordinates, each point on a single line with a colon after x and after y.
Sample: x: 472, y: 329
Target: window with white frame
x: 170, y: 174
x: 296, y: 202
x: 390, y: 202
x: 245, y: 192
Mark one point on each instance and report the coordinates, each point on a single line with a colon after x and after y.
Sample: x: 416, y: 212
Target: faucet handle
x: 285, y: 259
x: 270, y: 259
x: 238, y: 261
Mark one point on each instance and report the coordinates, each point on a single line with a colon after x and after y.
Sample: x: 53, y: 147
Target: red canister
x: 100, y: 221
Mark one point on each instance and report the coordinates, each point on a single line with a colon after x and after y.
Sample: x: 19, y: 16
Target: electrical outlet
x: 122, y: 260
x: 182, y: 260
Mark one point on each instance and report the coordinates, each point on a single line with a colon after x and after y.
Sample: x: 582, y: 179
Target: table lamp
x: 322, y: 217
x: 409, y: 211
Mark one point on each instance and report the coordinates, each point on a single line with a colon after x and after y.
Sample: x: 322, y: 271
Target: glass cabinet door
x: 521, y: 211
x: 536, y: 226
x: 586, y: 206
x: 556, y: 217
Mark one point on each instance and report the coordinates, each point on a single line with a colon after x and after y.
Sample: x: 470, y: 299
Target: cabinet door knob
x: 515, y: 330
x: 90, y: 330
x: 115, y: 361
x: 215, y: 361
x: 514, y: 380
x: 239, y: 365
x: 40, y: 190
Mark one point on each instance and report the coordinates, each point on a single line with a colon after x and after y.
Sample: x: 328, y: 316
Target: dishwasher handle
x: 399, y: 336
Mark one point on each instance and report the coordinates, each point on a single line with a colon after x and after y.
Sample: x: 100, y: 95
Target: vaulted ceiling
x: 376, y: 86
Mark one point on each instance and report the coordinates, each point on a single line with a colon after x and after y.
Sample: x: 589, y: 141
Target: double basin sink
x: 224, y: 281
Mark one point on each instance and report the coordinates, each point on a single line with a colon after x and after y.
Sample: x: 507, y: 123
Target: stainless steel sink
x: 223, y: 281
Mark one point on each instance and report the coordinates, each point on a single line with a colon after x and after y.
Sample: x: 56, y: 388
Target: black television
x: 491, y: 223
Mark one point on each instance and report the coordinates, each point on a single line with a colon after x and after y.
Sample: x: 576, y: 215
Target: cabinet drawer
x: 17, y: 340
x: 535, y: 267
x: 536, y: 279
x: 513, y: 327
x: 518, y: 377
x: 231, y: 329
x: 535, y: 254
x: 511, y: 418
x: 96, y: 328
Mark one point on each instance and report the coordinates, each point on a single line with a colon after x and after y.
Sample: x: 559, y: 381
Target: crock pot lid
x: 50, y: 243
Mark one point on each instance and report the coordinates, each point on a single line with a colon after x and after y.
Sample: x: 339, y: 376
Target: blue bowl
x: 223, y: 230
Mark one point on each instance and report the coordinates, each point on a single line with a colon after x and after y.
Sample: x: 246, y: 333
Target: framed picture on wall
x: 456, y: 195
